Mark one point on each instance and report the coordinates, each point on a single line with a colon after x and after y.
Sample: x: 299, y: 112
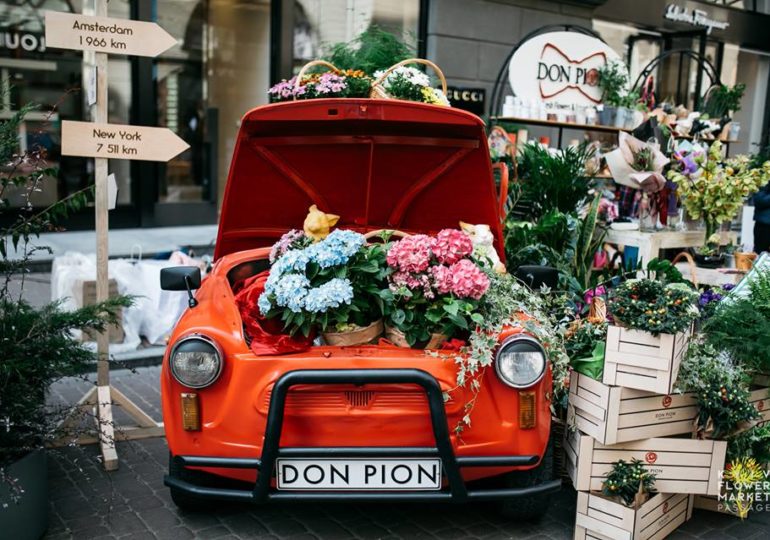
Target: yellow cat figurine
x: 318, y: 224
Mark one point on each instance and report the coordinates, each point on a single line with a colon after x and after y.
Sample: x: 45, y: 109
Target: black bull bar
x: 262, y: 492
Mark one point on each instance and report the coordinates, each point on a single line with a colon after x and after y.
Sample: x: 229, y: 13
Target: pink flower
x: 442, y: 278
x: 451, y: 245
x: 468, y: 281
x: 412, y: 282
x: 411, y: 254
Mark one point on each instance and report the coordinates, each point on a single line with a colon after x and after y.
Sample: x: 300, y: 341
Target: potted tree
x: 37, y: 342
x: 613, y: 80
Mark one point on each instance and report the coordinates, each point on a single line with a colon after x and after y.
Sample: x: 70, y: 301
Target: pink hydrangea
x: 468, y: 281
x: 411, y: 254
x: 442, y: 278
x: 412, y: 282
x: 451, y: 245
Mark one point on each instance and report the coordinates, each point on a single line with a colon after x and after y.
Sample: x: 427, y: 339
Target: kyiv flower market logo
x: 745, y: 487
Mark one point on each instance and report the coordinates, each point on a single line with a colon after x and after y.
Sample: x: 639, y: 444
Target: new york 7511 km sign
x: 116, y: 141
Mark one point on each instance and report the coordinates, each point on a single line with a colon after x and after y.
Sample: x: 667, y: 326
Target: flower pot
x: 729, y: 260
x: 745, y: 260
x: 606, y: 116
x: 28, y: 518
x: 359, y: 336
x: 620, y: 117
x: 397, y: 337
x: 709, y: 261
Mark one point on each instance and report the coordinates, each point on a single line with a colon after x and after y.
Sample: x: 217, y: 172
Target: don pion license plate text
x: 359, y: 474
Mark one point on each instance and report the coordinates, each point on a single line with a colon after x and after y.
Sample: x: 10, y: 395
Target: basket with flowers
x: 437, y: 287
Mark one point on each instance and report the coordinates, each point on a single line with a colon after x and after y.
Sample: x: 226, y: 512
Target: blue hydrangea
x: 331, y: 294
x: 292, y: 261
x: 336, y: 249
x: 264, y: 303
x: 291, y: 290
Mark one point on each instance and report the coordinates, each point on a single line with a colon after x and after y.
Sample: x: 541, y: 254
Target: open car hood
x: 376, y: 163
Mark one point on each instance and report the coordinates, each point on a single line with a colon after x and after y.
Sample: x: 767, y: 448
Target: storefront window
x: 318, y: 23
x: 51, y: 79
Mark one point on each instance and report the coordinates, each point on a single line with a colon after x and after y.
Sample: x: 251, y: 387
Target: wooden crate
x: 613, y: 414
x: 114, y: 331
x: 601, y: 518
x: 639, y: 360
x: 681, y: 465
x: 760, y: 398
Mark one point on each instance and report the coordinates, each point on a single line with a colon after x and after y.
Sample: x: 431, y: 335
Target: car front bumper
x: 454, y: 490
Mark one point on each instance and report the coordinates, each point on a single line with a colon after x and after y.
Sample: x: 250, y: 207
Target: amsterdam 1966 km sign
x: 103, y: 34
x: 115, y: 141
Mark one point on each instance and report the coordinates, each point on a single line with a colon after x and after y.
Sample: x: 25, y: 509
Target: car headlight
x: 520, y: 361
x: 196, y: 361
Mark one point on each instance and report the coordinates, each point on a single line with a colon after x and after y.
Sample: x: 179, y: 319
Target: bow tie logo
x: 557, y: 73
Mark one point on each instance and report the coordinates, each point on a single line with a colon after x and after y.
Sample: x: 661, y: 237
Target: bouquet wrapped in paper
x: 637, y: 164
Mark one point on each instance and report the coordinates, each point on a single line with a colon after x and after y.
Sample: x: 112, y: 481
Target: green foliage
x: 626, y: 480
x: 613, y: 80
x: 375, y: 49
x: 554, y: 181
x: 588, y: 242
x: 651, y: 306
x: 720, y: 389
x: 741, y: 326
x: 37, y: 343
x: 752, y: 443
x: 38, y: 348
x: 723, y: 100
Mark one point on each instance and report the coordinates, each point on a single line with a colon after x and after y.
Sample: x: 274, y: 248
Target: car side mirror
x: 536, y: 276
x: 181, y: 278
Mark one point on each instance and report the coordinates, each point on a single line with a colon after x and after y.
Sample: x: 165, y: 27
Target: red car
x: 348, y: 423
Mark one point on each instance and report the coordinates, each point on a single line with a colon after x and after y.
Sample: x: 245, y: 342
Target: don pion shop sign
x: 560, y: 67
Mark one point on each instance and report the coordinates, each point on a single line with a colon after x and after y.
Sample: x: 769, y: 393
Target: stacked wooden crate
x: 632, y: 413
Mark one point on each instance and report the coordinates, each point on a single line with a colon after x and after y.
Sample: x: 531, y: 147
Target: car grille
x: 324, y: 401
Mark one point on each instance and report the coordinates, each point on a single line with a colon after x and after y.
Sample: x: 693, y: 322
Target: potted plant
x: 36, y: 342
x: 652, y: 326
x: 714, y: 189
x: 723, y: 100
x: 437, y: 287
x: 628, y: 507
x: 334, y: 286
x: 613, y: 80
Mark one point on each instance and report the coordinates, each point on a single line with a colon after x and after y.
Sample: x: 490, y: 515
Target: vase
x: 620, y: 117
x: 744, y: 260
x: 28, y: 518
x: 397, y: 337
x: 606, y: 116
x: 709, y: 261
x: 361, y: 335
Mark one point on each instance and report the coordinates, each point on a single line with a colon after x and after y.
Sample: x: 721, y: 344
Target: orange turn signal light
x: 191, y: 416
x: 527, y: 412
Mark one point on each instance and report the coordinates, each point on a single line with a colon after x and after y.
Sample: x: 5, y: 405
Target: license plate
x: 359, y: 474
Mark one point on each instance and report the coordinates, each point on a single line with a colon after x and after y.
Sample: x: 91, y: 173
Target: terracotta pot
x: 359, y: 336
x: 744, y: 260
x: 397, y: 337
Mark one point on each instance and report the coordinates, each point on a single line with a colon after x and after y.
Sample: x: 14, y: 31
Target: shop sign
x: 13, y: 40
x: 560, y: 67
x: 693, y: 17
x: 468, y: 99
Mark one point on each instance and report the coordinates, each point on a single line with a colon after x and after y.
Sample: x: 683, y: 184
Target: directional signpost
x: 97, y: 36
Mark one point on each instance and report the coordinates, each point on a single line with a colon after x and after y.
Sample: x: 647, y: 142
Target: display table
x: 650, y: 243
x: 708, y: 276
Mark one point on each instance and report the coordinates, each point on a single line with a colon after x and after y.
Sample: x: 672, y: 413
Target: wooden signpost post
x: 99, y: 35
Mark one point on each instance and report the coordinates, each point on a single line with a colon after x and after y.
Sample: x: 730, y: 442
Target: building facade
x: 230, y: 51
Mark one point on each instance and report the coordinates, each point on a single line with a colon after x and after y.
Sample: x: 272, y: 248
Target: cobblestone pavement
x: 132, y: 503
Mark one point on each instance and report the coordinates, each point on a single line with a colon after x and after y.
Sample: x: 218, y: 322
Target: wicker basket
x: 314, y: 63
x: 360, y: 336
x: 378, y: 92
